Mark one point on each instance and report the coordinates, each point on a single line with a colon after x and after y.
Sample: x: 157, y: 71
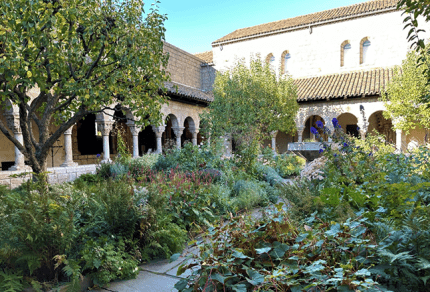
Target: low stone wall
x: 89, y: 159
x: 56, y: 175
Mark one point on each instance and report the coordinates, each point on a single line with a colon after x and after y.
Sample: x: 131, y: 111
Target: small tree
x: 413, y: 11
x: 249, y: 103
x: 403, y: 96
x: 82, y: 56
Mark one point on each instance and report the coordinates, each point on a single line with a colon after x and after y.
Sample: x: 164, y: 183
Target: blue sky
x: 193, y: 25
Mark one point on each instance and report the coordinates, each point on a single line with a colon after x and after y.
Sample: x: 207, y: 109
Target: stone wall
x: 182, y: 110
x: 317, y: 51
x: 208, y: 74
x: 183, y: 67
x: 56, y: 175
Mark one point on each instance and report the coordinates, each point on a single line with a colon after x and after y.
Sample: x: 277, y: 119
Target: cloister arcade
x: 356, y: 117
x: 97, y: 134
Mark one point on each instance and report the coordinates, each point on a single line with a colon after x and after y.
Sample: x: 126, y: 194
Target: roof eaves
x: 303, y: 26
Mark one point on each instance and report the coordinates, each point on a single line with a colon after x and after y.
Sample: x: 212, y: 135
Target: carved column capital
x: 178, y: 131
x: 273, y: 134
x: 105, y: 127
x: 194, y: 131
x: 12, y: 121
x: 134, y: 129
x: 300, y: 129
x: 158, y: 130
x: 69, y: 131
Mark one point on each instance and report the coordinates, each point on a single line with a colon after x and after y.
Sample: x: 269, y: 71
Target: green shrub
x: 268, y: 174
x: 36, y: 225
x: 289, y: 164
x: 248, y: 194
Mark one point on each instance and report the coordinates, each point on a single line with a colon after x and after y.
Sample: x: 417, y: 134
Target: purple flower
x: 335, y: 122
x: 358, y: 128
x: 314, y: 131
x: 335, y: 155
x: 345, y: 144
x: 321, y: 151
x: 98, y: 155
x: 320, y: 124
x: 370, y: 154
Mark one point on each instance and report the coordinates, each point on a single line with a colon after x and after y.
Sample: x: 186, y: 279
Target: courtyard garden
x: 357, y: 219
x: 132, y: 211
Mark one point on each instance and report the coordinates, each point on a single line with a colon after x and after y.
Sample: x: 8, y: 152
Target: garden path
x: 160, y: 276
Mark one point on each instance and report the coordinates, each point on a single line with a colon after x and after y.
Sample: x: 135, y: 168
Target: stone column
x: 105, y: 127
x: 362, y: 130
x: 331, y: 130
x: 273, y: 134
x: 178, y: 133
x: 194, y: 131
x: 68, y: 161
x: 300, y: 133
x: 159, y: 133
x: 13, y: 124
x: 135, y: 132
x: 399, y: 140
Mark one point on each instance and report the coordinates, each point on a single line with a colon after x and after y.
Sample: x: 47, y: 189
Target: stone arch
x: 310, y: 122
x: 9, y: 108
x: 169, y: 136
x: 268, y: 57
x: 382, y: 125
x: 190, y: 126
x: 348, y: 123
x: 282, y: 61
x: 342, y: 52
x: 365, y: 39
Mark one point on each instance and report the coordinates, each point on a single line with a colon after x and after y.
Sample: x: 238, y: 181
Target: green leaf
x: 256, y: 277
x: 174, y: 257
x: 238, y: 254
x: 97, y: 263
x: 182, y: 284
x: 218, y: 277
x: 239, y: 288
x: 263, y: 250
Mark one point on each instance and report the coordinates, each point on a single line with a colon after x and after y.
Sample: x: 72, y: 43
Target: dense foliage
x: 61, y: 60
x: 249, y: 103
x: 133, y: 210
x: 362, y: 224
x: 404, y: 93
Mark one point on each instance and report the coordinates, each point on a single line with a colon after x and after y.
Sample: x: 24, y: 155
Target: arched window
x: 270, y: 60
x: 285, y: 62
x: 286, y: 58
x: 345, y: 51
x: 364, y: 51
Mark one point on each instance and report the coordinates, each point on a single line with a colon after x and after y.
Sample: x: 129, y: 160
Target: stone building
x: 341, y: 59
x: 76, y: 152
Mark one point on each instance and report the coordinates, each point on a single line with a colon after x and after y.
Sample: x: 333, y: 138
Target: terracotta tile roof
x: 187, y: 91
x: 343, y: 85
x: 355, y: 10
x: 207, y: 56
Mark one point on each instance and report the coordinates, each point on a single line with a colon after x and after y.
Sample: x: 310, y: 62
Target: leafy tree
x: 250, y: 102
x: 403, y: 96
x: 413, y: 11
x: 81, y: 56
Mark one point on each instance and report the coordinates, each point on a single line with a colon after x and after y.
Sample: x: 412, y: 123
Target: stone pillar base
x: 20, y: 168
x: 106, y: 161
x: 69, y: 164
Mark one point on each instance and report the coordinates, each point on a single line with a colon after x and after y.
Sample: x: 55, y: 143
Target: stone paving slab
x: 144, y: 282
